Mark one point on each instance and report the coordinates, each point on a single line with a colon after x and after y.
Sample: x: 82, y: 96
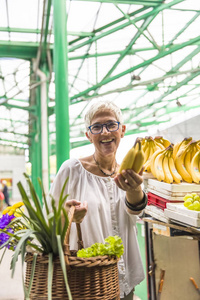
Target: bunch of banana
x: 163, y: 167
x: 183, y: 157
x: 160, y: 140
x: 150, y: 146
x: 134, y: 158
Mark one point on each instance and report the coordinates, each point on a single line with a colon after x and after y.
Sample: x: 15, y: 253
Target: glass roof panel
x: 143, y: 57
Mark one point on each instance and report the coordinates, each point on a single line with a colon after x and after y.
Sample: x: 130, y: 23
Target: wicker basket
x: 89, y: 278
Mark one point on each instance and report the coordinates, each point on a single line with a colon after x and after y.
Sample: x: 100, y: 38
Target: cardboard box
x: 167, y: 231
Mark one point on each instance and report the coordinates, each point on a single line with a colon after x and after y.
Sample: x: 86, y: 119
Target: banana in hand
x: 128, y: 160
x: 134, y: 159
x: 139, y: 158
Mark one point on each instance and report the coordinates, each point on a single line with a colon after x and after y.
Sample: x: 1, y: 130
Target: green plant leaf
x: 66, y: 224
x: 32, y: 272
x: 62, y: 192
x: 50, y: 276
x: 18, y: 249
x: 34, y: 196
x: 43, y: 195
x: 63, y: 266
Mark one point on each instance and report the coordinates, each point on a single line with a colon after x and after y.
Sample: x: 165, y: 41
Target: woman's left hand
x: 129, y: 180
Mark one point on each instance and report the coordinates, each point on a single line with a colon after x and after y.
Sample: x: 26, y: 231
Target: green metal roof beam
x: 15, y: 133
x: 138, y: 2
x: 28, y: 108
x: 47, y: 16
x: 180, y: 108
x: 184, y: 28
x: 38, y: 31
x: 132, y: 42
x: 14, y: 142
x: 176, y: 87
x: 20, y: 50
x: 142, y: 17
x: 111, y: 24
x: 16, y: 121
x: 130, y: 52
x: 143, y: 64
x: 20, y: 30
x: 174, y: 70
x: 135, y: 112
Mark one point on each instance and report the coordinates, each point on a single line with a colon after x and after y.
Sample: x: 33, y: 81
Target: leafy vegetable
x: 113, y: 246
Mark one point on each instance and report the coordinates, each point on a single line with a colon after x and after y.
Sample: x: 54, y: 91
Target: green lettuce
x: 113, y: 246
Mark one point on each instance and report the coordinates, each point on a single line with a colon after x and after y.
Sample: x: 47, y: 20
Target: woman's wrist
x: 135, y: 196
x: 137, y: 207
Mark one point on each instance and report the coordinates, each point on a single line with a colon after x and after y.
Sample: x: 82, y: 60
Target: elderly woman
x: 107, y: 202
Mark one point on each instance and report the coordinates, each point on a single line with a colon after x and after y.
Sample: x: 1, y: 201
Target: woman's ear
x: 88, y: 136
x: 123, y: 130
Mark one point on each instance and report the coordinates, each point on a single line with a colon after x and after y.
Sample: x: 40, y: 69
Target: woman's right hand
x: 80, y: 209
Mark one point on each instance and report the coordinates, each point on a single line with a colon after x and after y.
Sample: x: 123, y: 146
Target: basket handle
x: 78, y: 228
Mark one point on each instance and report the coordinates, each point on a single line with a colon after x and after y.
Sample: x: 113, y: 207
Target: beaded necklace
x: 102, y: 170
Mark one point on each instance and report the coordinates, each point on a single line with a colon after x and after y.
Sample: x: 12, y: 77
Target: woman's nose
x: 104, y: 129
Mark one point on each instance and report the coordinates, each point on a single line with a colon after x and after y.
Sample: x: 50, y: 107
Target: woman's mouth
x: 107, y: 141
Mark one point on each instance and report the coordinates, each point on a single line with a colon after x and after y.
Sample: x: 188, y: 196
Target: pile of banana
x: 177, y: 162
x: 171, y: 163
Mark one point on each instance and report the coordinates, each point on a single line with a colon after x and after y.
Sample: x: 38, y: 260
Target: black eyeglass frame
x: 102, y: 126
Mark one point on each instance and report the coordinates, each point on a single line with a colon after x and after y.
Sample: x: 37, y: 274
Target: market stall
x: 172, y: 241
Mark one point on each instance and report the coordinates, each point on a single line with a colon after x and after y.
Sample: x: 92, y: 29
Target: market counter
x: 172, y: 246
x: 172, y: 258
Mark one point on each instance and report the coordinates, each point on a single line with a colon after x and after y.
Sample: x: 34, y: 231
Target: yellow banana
x: 176, y: 176
x: 159, y: 145
x: 199, y: 163
x: 195, y: 172
x: 144, y: 145
x: 146, y: 152
x: 147, y: 167
x: 128, y: 160
x: 139, y: 159
x: 152, y: 161
x: 164, y: 142
x: 175, y: 149
x: 159, y: 166
x: 179, y: 163
x: 142, y: 141
x: 187, y: 160
x: 168, y: 175
x: 183, y: 144
x: 194, y: 150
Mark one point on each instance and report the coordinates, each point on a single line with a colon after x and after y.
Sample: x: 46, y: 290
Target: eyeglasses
x: 98, y: 128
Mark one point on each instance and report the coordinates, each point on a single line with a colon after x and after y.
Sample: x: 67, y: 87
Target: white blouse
x: 107, y: 215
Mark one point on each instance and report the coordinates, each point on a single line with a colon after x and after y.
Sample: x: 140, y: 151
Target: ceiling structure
x: 141, y: 54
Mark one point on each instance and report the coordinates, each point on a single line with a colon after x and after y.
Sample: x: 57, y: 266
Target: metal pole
x: 61, y: 81
x: 44, y: 130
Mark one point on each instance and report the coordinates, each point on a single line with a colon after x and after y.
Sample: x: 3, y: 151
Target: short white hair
x: 102, y: 106
x: 4, y: 182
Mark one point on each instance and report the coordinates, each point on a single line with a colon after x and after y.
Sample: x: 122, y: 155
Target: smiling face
x: 106, y: 143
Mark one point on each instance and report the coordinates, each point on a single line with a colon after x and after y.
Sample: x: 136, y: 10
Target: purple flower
x: 5, y: 237
x: 5, y: 220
